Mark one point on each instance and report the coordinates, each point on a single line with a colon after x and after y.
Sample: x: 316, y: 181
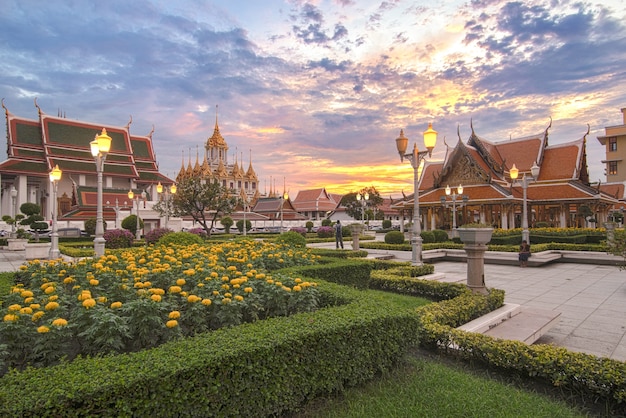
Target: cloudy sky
x: 317, y: 91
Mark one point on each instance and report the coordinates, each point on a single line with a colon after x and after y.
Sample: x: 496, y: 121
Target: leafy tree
x: 227, y: 223
x: 33, y: 218
x: 204, y: 201
x: 90, y: 225
x: 355, y: 208
x: 309, y: 226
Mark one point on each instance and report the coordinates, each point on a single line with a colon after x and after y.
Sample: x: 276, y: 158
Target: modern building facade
x: 614, y: 141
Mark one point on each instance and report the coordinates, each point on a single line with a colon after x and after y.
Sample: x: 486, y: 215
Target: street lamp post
x: 415, y: 158
x: 453, y: 196
x: 55, y: 176
x: 131, y: 195
x: 13, y: 207
x: 168, y: 192
x: 284, y: 197
x: 245, y: 204
x: 363, y: 198
x: 100, y: 147
x: 534, y: 174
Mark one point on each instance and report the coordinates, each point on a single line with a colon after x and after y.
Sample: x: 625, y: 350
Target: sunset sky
x: 317, y: 91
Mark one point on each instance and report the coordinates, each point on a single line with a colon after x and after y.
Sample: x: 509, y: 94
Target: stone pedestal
x: 475, y: 244
x: 16, y: 244
x: 356, y: 232
x: 37, y: 251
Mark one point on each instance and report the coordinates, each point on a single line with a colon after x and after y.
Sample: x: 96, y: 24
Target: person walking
x: 338, y: 235
x: 524, y: 253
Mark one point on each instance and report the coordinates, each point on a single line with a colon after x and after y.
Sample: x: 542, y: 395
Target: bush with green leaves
x: 33, y: 219
x: 440, y: 235
x: 227, y: 222
x: 130, y: 223
x: 118, y: 238
x: 291, y: 238
x: 326, y: 222
x: 427, y: 237
x: 180, y: 238
x: 90, y: 225
x: 387, y: 224
x: 309, y: 226
x: 240, y: 225
x: 155, y: 235
x: 394, y: 237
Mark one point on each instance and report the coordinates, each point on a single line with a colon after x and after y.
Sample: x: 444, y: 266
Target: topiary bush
x: 291, y: 238
x: 180, y: 238
x: 394, y: 237
x: 130, y: 223
x: 440, y: 235
x: 326, y: 222
x: 387, y: 224
x: 325, y: 232
x: 118, y: 238
x: 156, y: 234
x: 427, y: 236
x: 301, y: 231
x: 90, y: 225
x: 309, y: 226
x: 227, y: 222
x: 239, y: 225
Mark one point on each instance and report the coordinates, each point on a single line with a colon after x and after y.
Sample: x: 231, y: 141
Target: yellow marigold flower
x: 214, y: 274
x: 225, y: 286
x: 43, y: 329
x: 22, y: 267
x: 206, y: 302
x: 298, y: 280
x: 193, y: 299
x: 147, y: 284
x: 102, y: 299
x: 35, y: 306
x: 280, y: 260
x: 59, y: 322
x: 49, y: 290
x: 172, y: 323
x: 297, y: 288
x: 27, y: 293
x: 116, y: 305
x: 68, y: 280
x: 225, y: 279
x: 189, y: 272
x: 156, y: 298
x: 279, y: 284
x: 231, y: 268
x: 228, y: 295
x: 175, y: 289
x: 216, y: 292
x: 184, y: 294
x: 89, y: 303
x: 226, y: 301
x: 53, y: 298
x: 29, y: 300
x: 181, y: 282
x: 37, y: 315
x: 286, y: 289
x: 247, y: 289
x: 174, y: 315
x: 141, y: 292
x: 26, y: 310
x: 94, y: 282
x: 15, y: 307
x: 238, y: 298
x: 260, y: 276
x: 11, y: 318
x: 51, y: 306
x: 138, y: 285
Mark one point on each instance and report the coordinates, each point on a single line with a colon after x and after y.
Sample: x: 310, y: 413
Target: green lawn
x: 425, y: 387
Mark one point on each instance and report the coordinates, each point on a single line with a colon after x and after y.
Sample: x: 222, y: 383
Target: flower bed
x: 141, y: 298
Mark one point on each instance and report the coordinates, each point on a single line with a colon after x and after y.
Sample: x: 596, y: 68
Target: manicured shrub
x: 309, y: 226
x: 427, y: 237
x: 130, y: 223
x: 240, y: 225
x: 325, y: 232
x: 155, y: 234
x: 90, y: 225
x: 227, y: 223
x: 180, y: 238
x: 118, y: 238
x: 440, y: 235
x: 386, y: 223
x: 327, y: 222
x: 394, y: 237
x: 301, y: 231
x: 291, y: 238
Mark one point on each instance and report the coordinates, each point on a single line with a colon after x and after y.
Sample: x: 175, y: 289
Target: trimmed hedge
x: 352, y: 273
x: 267, y: 368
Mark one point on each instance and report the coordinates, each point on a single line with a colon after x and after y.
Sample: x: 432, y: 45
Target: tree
x: 33, y: 218
x: 130, y: 223
x: 227, y: 223
x: 204, y: 201
x: 355, y: 208
x: 240, y: 225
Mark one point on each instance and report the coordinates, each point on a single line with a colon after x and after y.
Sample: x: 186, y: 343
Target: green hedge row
x: 267, y: 368
x: 354, y: 273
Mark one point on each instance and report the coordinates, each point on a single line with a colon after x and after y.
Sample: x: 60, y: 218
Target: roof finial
x: 472, y: 125
x: 216, y: 116
x: 37, y: 106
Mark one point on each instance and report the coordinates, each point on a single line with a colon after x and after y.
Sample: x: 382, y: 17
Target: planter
x: 477, y: 236
x: 16, y: 244
x: 356, y: 230
x: 37, y: 250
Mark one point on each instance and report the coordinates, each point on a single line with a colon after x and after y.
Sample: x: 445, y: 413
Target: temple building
x: 36, y: 146
x: 215, y: 166
x: 483, y: 168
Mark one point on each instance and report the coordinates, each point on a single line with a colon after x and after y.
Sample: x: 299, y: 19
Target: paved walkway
x: 591, y: 298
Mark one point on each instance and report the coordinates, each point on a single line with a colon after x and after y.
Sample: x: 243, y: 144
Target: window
x: 612, y: 167
x: 239, y: 184
x: 613, y: 144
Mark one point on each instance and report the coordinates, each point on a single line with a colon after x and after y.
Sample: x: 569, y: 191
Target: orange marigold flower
x: 94, y: 282
x: 172, y: 323
x: 156, y: 298
x: 206, y: 302
x: 247, y: 290
x: 29, y: 300
x: 51, y: 306
x: 26, y: 293
x: 89, y: 303
x: 116, y: 305
x: 193, y: 299
x: 37, y: 315
x: 174, y: 315
x: 59, y: 322
x: 53, y: 298
x: 175, y: 289
x: 11, y: 318
x: 26, y: 310
x: 238, y: 298
x: 35, y: 306
x: 68, y: 280
x: 297, y: 288
x: 226, y: 301
x: 15, y: 307
x: 43, y: 329
x: 181, y: 282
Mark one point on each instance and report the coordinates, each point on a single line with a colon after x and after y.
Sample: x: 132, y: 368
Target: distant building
x: 614, y: 141
x: 34, y: 147
x: 483, y: 168
x: 315, y: 204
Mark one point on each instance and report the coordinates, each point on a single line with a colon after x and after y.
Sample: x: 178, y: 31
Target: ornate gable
x: 462, y: 168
